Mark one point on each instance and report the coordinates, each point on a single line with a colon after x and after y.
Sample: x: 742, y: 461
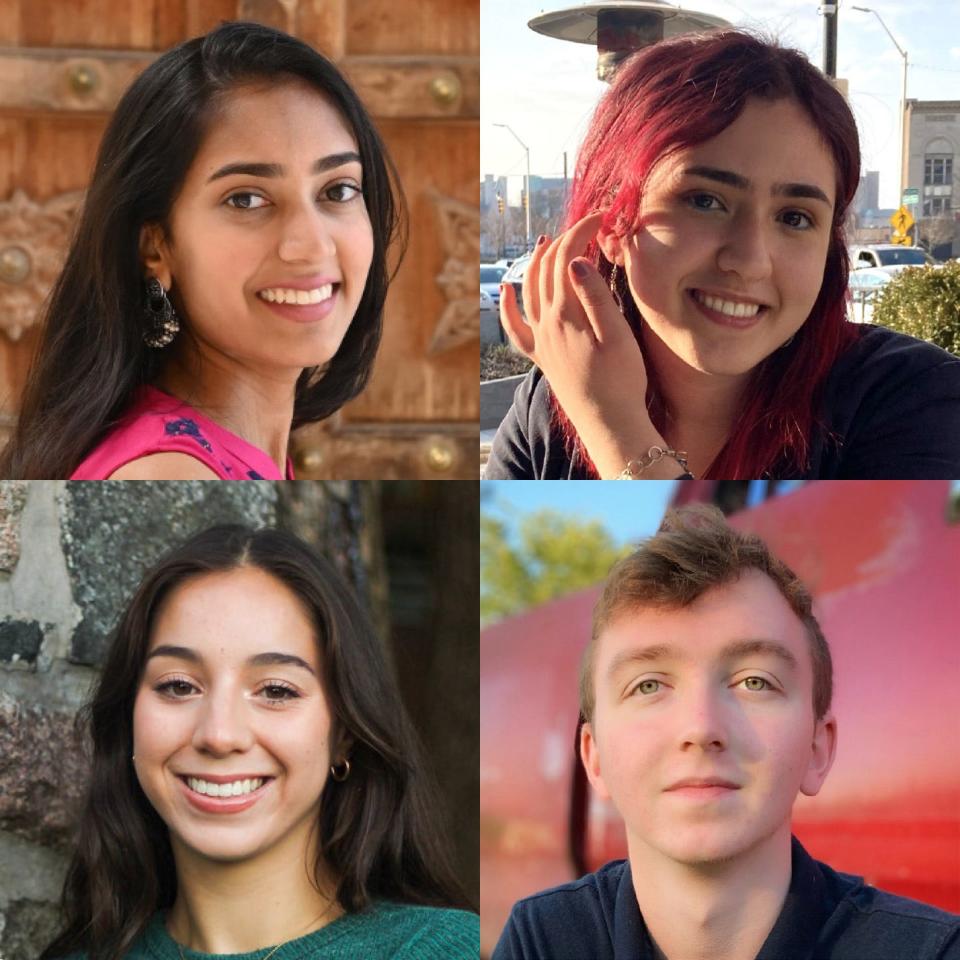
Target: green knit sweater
x: 386, y: 931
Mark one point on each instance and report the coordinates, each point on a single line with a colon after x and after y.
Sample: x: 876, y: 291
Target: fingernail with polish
x: 579, y: 269
x: 540, y: 239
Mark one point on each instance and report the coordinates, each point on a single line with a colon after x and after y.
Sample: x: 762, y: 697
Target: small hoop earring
x: 162, y: 322
x: 340, y: 771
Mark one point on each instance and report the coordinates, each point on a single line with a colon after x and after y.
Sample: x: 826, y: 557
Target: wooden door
x: 64, y: 65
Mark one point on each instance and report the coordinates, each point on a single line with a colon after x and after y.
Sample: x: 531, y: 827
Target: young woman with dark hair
x: 255, y: 787
x: 704, y: 332
x: 226, y: 279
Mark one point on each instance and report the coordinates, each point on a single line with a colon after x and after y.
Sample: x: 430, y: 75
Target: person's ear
x: 611, y: 245
x: 823, y: 750
x: 155, y: 254
x: 590, y: 755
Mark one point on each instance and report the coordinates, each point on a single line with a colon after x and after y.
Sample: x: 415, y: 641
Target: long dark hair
x: 377, y: 829
x: 91, y: 357
x: 684, y: 91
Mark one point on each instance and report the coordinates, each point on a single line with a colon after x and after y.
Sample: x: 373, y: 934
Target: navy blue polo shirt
x: 826, y: 916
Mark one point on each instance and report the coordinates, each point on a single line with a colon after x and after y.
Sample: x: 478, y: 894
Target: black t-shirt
x: 891, y: 411
x: 826, y: 916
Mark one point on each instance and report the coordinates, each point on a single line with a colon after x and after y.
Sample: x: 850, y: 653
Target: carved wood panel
x: 414, y: 62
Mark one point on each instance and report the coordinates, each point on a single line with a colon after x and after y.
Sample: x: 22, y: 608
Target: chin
x: 704, y: 846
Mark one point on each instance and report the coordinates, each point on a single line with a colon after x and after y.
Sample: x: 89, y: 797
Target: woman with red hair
x: 691, y: 320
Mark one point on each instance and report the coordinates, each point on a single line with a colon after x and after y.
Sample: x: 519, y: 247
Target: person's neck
x: 242, y: 907
x: 257, y: 406
x: 701, y: 408
x: 724, y: 910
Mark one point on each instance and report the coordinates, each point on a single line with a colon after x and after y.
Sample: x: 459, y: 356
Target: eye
x: 238, y: 197
x: 286, y: 693
x: 644, y: 688
x: 768, y: 684
x: 342, y: 192
x: 168, y: 687
x: 799, y: 213
x: 694, y: 200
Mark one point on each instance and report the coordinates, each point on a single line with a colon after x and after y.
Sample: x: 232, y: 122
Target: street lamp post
x: 903, y: 101
x: 526, y: 186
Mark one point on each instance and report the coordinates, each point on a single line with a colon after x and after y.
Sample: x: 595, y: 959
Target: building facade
x: 932, y: 141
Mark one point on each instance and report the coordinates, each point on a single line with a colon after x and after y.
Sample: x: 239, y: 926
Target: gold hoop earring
x: 340, y: 771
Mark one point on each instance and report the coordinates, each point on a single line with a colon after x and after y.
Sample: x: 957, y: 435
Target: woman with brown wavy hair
x: 255, y: 789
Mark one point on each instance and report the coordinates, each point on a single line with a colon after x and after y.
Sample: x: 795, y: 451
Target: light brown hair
x: 694, y: 550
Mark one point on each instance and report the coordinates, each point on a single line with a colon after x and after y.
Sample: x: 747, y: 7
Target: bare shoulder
x: 164, y: 466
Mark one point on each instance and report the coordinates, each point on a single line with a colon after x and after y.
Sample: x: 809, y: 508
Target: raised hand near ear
x: 575, y: 333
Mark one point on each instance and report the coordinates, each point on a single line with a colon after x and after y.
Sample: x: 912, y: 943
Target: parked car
x: 490, y: 277
x: 491, y: 333
x: 865, y: 285
x: 889, y: 254
x: 514, y: 276
x: 881, y: 559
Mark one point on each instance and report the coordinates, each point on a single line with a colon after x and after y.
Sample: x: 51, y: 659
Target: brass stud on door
x: 15, y: 264
x: 440, y: 454
x: 445, y: 88
x: 83, y: 79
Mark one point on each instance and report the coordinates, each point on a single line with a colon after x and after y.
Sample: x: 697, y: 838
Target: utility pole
x: 526, y: 186
x: 903, y: 105
x: 829, y: 11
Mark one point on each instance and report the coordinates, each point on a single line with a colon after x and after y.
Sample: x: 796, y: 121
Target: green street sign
x: 911, y: 197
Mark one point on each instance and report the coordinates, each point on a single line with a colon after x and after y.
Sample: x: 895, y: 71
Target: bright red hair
x: 682, y: 92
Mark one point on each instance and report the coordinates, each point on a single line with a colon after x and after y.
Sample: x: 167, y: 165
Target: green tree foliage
x: 548, y: 555
x: 925, y: 303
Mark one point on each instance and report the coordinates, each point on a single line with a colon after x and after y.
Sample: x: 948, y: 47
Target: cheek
x: 356, y: 249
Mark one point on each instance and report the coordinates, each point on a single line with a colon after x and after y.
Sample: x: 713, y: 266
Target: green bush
x: 924, y: 302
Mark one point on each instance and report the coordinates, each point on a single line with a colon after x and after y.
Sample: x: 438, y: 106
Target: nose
x: 305, y: 235
x: 746, y: 250
x: 222, y: 726
x: 701, y: 722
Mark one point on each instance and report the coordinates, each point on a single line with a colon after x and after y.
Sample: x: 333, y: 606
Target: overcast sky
x: 546, y: 89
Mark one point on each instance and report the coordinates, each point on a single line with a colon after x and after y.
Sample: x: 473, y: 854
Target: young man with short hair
x: 705, y: 692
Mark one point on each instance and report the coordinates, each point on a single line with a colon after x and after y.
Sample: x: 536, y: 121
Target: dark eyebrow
x: 798, y: 190
x: 732, y: 651
x: 277, y: 170
x: 258, y: 660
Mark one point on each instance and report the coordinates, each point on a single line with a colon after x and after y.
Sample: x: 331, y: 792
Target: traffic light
x: 499, y: 204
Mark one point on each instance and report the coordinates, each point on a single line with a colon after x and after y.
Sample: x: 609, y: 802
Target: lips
x: 704, y: 782
x: 224, y: 804
x: 725, y: 320
x: 301, y: 283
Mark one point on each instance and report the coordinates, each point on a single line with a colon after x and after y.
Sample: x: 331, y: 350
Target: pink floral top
x: 160, y: 423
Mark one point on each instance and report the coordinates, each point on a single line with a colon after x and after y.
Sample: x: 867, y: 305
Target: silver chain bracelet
x: 634, y: 468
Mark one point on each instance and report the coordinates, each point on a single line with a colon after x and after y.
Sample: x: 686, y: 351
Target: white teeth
x: 234, y: 789
x: 726, y: 306
x: 301, y: 297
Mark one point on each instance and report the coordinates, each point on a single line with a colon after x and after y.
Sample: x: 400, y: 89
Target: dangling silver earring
x: 162, y: 322
x: 613, y: 285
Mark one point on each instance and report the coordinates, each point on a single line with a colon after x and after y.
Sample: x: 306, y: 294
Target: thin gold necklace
x: 267, y: 957
x: 279, y: 945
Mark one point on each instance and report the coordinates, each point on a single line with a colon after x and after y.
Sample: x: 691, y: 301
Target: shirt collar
x: 794, y: 935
